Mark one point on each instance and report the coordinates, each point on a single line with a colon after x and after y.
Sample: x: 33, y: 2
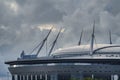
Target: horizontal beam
x: 46, y: 61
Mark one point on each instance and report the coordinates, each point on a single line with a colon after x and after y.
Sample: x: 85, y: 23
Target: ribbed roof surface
x: 85, y: 49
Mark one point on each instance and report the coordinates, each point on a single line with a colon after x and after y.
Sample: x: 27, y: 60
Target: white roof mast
x: 79, y: 43
x: 92, y: 39
x: 110, y: 37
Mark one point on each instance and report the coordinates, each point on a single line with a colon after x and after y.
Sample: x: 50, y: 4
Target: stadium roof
x: 85, y: 49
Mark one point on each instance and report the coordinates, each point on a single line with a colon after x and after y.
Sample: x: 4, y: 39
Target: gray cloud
x: 43, y: 11
x: 20, y: 18
x: 113, y: 7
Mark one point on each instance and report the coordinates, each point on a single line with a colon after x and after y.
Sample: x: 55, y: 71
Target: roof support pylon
x: 79, y: 43
x: 92, y: 39
x: 110, y: 37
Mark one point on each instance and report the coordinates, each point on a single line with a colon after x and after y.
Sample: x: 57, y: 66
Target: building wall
x: 61, y: 72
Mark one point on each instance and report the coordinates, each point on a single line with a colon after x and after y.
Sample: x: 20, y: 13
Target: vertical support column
x: 46, y: 77
x: 13, y: 77
x: 16, y: 77
x: 27, y: 77
x: 23, y: 77
x: 115, y: 77
x: 20, y: 77
x: 40, y: 76
x: 35, y: 77
x: 118, y: 77
x: 112, y: 77
x: 31, y: 77
x: 53, y: 77
x: 92, y: 76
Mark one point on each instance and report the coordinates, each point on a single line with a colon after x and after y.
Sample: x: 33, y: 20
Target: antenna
x: 43, y: 42
x: 79, y: 43
x: 92, y: 39
x: 110, y: 37
x: 53, y: 44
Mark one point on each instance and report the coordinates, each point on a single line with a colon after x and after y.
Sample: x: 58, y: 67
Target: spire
x: 54, y: 42
x: 79, y: 43
x: 110, y: 37
x: 43, y: 42
x: 92, y: 39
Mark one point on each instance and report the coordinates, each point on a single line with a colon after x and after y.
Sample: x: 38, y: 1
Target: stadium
x: 81, y: 62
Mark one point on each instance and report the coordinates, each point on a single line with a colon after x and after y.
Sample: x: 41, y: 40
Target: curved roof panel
x: 85, y: 49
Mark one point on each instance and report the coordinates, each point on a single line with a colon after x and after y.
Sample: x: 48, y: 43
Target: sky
x: 24, y: 23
